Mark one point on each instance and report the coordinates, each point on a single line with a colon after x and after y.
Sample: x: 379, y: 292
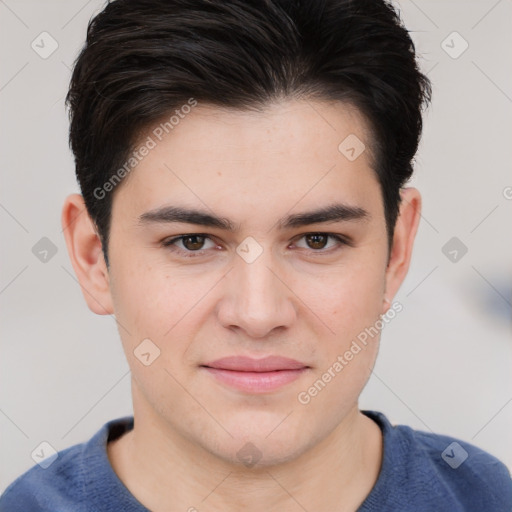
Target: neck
x: 166, y: 471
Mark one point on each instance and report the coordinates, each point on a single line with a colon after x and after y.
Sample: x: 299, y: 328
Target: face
x: 285, y: 257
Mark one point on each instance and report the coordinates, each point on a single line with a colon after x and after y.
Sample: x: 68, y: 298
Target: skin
x: 253, y: 168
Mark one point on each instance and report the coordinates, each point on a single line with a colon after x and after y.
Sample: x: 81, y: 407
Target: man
x: 244, y: 216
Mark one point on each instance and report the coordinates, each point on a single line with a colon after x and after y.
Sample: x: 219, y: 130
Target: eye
x: 189, y: 243
x: 195, y: 244
x: 318, y: 242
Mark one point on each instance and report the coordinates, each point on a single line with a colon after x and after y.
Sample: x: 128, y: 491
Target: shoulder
x: 442, y: 471
x: 472, y: 474
x: 56, y: 487
x: 70, y: 480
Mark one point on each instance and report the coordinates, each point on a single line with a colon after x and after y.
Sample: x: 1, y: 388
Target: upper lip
x: 249, y: 364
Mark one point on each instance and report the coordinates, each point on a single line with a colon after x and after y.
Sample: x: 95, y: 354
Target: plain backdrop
x: 445, y: 360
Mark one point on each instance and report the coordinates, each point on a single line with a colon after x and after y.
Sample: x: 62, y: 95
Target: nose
x: 257, y: 299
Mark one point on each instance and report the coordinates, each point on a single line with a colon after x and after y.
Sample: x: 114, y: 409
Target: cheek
x: 352, y: 298
x: 150, y: 304
x: 352, y: 307
x: 170, y: 307
x: 147, y: 300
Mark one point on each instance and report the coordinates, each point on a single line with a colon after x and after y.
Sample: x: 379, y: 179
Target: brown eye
x: 322, y: 242
x: 317, y: 240
x: 189, y: 245
x: 193, y: 242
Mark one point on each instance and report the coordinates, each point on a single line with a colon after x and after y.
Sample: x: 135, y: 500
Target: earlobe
x: 86, y: 255
x: 386, y: 306
x: 403, y: 239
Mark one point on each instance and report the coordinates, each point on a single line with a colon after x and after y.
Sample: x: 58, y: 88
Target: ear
x: 86, y: 255
x: 403, y: 241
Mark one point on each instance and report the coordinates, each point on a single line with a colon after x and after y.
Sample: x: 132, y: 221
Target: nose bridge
x: 259, y: 301
x: 256, y: 283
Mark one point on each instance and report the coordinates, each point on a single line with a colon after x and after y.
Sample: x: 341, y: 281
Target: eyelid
x: 341, y: 239
x: 171, y: 242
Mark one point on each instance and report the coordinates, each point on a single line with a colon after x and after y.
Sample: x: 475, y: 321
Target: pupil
x: 317, y: 241
x: 195, y: 244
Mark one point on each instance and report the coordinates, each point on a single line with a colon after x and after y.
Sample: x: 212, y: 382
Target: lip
x: 256, y: 375
x: 249, y: 364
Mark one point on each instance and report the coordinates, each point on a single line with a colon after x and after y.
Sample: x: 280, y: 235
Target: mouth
x: 255, y: 375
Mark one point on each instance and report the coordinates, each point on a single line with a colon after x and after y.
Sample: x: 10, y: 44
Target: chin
x: 256, y: 446
x: 259, y: 455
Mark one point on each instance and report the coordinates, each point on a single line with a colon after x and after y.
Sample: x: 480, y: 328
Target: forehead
x: 295, y: 151
x: 228, y: 133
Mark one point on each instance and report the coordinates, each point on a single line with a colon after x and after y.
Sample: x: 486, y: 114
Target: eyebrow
x: 333, y: 213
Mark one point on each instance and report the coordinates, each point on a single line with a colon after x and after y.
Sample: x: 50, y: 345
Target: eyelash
x: 171, y: 243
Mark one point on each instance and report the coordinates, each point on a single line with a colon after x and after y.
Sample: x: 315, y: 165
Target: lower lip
x: 256, y: 382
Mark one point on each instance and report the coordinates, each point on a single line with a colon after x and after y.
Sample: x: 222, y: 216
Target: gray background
x: 445, y: 361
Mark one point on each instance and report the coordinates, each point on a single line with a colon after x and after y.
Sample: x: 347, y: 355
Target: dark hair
x: 145, y: 58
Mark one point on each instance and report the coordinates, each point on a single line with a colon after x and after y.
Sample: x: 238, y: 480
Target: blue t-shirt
x: 420, y: 472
